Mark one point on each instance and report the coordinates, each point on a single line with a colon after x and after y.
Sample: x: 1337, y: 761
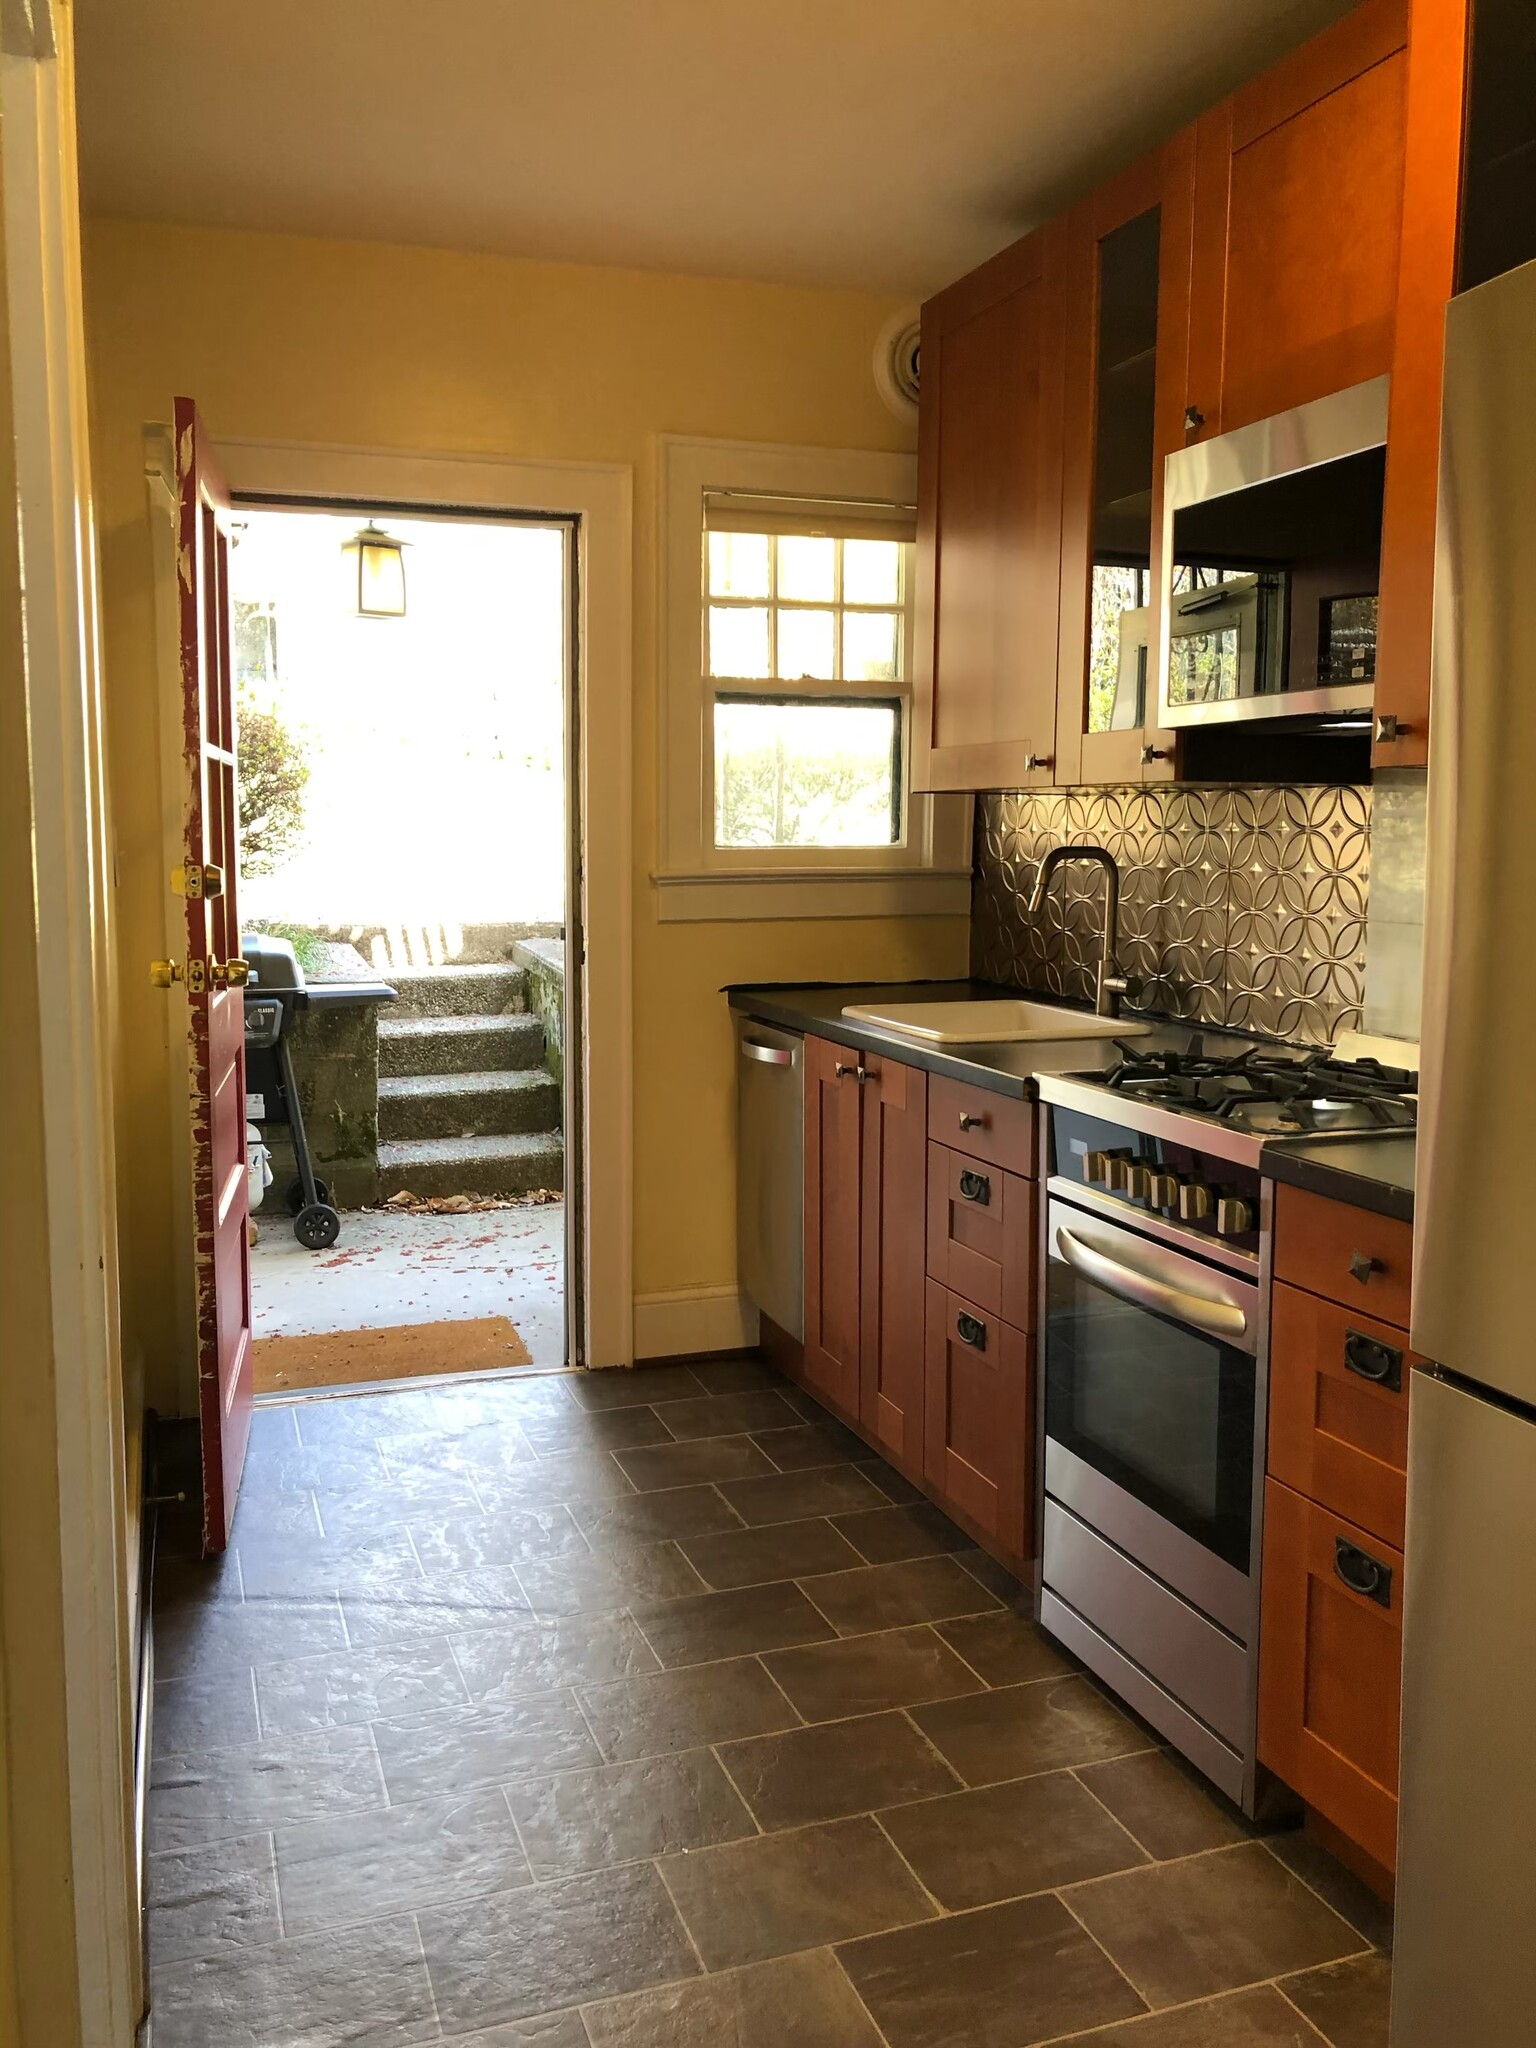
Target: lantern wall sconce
x: 380, y: 563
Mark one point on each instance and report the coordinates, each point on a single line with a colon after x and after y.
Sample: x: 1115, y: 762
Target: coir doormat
x: 405, y: 1351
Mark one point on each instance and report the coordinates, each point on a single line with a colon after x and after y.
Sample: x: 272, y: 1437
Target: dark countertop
x: 1010, y: 1069
x: 1371, y: 1171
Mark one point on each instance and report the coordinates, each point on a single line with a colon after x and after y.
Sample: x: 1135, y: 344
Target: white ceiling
x: 883, y: 144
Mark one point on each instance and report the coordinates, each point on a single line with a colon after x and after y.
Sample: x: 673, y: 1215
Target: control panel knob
x: 1234, y: 1217
x: 1195, y: 1202
x: 1120, y: 1170
x: 1096, y: 1167
x: 1139, y: 1185
x: 1165, y: 1191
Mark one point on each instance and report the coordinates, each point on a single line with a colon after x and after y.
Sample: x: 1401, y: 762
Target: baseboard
x: 694, y: 1321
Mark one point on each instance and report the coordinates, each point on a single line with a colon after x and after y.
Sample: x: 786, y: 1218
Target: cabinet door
x: 1432, y: 183
x: 1298, y: 207
x: 1330, y: 1667
x: 891, y: 1263
x: 989, y: 525
x: 978, y: 1452
x: 1126, y: 307
x: 834, y: 1198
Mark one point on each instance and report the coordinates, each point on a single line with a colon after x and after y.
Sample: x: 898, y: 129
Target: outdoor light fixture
x: 380, y: 572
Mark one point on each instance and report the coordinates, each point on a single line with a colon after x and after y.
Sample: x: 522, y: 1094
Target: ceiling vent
x: 897, y: 355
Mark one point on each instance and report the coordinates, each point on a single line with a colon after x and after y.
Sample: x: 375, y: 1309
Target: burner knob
x: 1194, y: 1201
x: 1165, y: 1191
x: 1120, y: 1170
x: 1096, y: 1167
x: 1139, y: 1184
x: 1234, y: 1218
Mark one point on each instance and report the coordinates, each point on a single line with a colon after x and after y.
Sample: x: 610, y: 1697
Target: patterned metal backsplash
x: 1240, y: 907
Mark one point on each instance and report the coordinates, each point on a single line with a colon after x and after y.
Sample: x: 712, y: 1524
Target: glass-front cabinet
x: 1125, y: 318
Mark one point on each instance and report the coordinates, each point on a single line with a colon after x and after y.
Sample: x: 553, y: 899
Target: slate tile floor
x: 646, y: 1710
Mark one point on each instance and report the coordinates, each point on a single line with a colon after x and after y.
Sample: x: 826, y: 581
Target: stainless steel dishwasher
x: 770, y: 1170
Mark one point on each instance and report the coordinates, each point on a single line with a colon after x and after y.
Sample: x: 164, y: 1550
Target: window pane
x: 738, y: 640
x: 805, y: 774
x: 807, y: 566
x: 805, y: 646
x: 738, y: 565
x: 869, y: 647
x: 1117, y: 648
x: 871, y: 571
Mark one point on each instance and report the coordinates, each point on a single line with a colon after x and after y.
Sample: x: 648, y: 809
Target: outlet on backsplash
x: 1239, y: 906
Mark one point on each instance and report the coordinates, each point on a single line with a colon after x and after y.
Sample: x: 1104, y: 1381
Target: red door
x: 214, y: 974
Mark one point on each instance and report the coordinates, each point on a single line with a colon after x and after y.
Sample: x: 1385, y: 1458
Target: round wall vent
x: 897, y: 357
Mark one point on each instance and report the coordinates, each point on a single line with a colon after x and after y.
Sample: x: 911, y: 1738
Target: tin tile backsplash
x: 1240, y: 907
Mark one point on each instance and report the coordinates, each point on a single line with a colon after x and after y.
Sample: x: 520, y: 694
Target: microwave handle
x: 1210, y: 600
x: 1215, y: 1318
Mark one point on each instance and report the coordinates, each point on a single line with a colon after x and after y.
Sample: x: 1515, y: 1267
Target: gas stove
x: 1270, y: 1091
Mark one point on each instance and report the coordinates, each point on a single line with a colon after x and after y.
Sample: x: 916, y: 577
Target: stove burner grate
x: 1306, y: 1091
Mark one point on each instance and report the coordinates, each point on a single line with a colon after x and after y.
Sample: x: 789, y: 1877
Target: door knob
x: 229, y: 973
x: 165, y: 973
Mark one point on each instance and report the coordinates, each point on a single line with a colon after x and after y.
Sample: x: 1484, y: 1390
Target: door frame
x: 596, y: 499
x: 72, y: 986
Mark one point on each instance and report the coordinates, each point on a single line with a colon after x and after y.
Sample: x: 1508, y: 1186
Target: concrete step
x: 458, y: 1045
x: 512, y: 1164
x: 497, y: 990
x: 467, y: 1105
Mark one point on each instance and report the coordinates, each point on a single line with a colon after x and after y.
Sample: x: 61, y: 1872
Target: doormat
x: 406, y: 1351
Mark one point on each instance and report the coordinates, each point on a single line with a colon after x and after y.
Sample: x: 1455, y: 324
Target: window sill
x: 724, y: 898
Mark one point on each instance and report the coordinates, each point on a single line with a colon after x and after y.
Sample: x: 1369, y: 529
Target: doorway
x: 409, y: 802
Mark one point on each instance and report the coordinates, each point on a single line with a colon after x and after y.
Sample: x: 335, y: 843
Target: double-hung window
x: 788, y: 701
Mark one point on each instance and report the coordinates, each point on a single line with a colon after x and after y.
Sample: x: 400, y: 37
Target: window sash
x: 899, y: 608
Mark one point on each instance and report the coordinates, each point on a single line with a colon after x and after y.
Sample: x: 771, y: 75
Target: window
x: 787, y: 578
x: 816, y: 758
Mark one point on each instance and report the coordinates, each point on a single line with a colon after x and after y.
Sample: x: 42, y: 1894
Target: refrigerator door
x: 1476, y: 1198
x: 1465, y: 1965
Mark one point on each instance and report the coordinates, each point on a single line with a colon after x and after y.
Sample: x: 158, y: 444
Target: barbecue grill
x: 274, y: 994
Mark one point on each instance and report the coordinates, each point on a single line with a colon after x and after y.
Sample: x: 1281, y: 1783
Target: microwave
x: 1272, y: 562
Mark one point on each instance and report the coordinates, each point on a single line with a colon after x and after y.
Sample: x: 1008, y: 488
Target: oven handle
x: 1215, y: 1318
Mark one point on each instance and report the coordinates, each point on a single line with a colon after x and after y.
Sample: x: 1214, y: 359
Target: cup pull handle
x: 971, y: 1330
x: 976, y: 1187
x: 1381, y: 1364
x: 1361, y: 1572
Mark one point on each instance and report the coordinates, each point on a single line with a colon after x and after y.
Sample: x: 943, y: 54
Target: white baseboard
x: 693, y: 1320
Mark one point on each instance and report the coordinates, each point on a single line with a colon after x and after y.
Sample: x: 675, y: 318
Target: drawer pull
x: 976, y: 1187
x: 1382, y: 1364
x: 973, y: 1123
x: 971, y: 1330
x: 1362, y: 1266
x: 1361, y: 1572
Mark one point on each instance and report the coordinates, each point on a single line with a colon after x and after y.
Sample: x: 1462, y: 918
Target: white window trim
x: 929, y: 874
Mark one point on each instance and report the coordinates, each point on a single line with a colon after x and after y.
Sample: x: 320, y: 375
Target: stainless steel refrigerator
x: 1465, y: 1969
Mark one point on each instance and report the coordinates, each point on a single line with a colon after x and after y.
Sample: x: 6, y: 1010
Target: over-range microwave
x: 1272, y: 553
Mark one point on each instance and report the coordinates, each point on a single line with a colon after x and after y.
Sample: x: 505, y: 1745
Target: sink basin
x: 1000, y: 1021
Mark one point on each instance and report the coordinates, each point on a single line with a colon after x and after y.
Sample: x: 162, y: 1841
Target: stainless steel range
x: 1155, y: 1366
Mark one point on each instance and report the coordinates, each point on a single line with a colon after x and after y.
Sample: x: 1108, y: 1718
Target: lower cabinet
x: 978, y: 1456
x: 1330, y: 1667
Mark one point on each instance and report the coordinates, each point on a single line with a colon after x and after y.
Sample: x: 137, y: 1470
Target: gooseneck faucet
x: 1111, y: 985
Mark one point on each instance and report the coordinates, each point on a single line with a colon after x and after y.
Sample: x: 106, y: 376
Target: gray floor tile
x: 839, y: 1768
x: 570, y: 1477
x: 619, y: 1387
x: 799, y: 2001
x: 707, y: 1459
x: 738, y: 1376
x: 537, y: 1655
x: 1166, y: 1804
x: 1245, y: 2019
x: 465, y: 1747
x: 806, y: 1444
x: 362, y: 1418
x: 1006, y: 1648
x: 290, y: 1571
x: 676, y: 1512
x: 890, y: 1534
x: 368, y: 1866
x: 620, y: 1575
x: 976, y: 1848
x: 683, y: 1709
x: 868, y: 1674
x: 611, y: 1429
x: 216, y: 1711
x: 729, y: 1414
x: 226, y: 1636
x: 777, y: 1893
x: 1348, y: 2003
x: 312, y: 1693
x: 589, y: 1820
x: 711, y: 1626
x: 755, y: 1557
x: 513, y: 1536
x: 430, y: 1457
x: 798, y: 1496
x: 365, y: 1987
x: 1021, y: 1729
x: 1348, y: 1896
x: 550, y: 2030
x: 584, y: 1938
x: 487, y: 1597
x: 880, y: 1596
x: 202, y: 1901
x: 349, y: 1467
x: 209, y: 1795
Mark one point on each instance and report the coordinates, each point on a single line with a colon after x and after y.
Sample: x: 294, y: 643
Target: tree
x: 274, y: 774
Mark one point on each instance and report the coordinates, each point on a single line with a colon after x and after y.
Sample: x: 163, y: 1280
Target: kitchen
x: 1124, y: 1250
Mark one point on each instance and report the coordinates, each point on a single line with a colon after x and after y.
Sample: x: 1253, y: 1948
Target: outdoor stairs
x: 466, y: 1106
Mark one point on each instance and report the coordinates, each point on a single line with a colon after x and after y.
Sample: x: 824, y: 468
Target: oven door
x: 1150, y: 1401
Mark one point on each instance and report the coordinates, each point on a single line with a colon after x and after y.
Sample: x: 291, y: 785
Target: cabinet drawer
x: 1330, y: 1667
x: 1345, y: 1254
x: 981, y: 1234
x: 977, y: 1383
x: 998, y: 1129
x: 1338, y: 1409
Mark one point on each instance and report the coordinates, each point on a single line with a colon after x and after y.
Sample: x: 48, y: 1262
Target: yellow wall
x: 289, y: 339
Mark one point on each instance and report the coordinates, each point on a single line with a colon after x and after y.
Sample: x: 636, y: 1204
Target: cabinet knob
x: 1362, y: 1266
x: 1194, y: 419
x: 1034, y: 761
x: 859, y: 1073
x: 1149, y: 754
x: 972, y: 1123
x: 1390, y: 728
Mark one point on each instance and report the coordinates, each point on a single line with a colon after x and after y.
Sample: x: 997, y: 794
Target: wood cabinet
x: 989, y: 525
x: 1331, y: 1630
x: 866, y: 1141
x: 1297, y: 215
x: 979, y: 1457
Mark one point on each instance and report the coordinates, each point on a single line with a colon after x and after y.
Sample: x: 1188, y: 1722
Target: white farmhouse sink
x: 1000, y: 1021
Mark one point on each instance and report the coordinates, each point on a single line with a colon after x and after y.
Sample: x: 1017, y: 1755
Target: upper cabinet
x: 1297, y: 217
x: 989, y: 525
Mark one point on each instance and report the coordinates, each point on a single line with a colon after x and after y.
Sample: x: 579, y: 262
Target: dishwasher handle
x: 767, y: 1055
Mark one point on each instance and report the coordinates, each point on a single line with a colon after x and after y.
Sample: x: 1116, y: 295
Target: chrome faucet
x: 1110, y: 985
